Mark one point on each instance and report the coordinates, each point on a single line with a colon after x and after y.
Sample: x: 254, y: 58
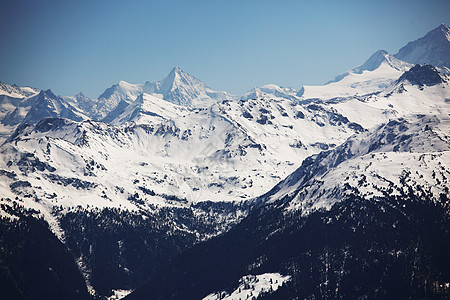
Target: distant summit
x: 377, y: 73
x: 376, y: 60
x: 178, y: 88
x: 183, y: 89
x: 48, y: 105
x: 433, y: 49
x: 270, y: 91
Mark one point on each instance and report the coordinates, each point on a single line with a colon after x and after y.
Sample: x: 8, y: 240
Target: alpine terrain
x: 171, y: 190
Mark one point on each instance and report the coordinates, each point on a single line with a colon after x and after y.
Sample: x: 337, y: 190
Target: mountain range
x: 170, y: 190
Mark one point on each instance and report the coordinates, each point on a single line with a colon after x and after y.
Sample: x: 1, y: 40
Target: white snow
x: 378, y: 72
x: 251, y: 286
x: 421, y: 160
x: 226, y: 152
x: 184, y: 89
x: 119, y: 294
x: 355, y: 84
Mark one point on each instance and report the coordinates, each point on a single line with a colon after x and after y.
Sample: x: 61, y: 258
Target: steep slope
x: 422, y: 90
x: 365, y: 218
x: 147, y: 109
x: 33, y: 107
x: 433, y: 49
x: 168, y: 177
x: 34, y: 263
x: 82, y: 103
x: 178, y: 88
x: 183, y: 89
x: 221, y: 153
x: 379, y: 71
x: 13, y: 107
x: 123, y: 92
x: 368, y: 219
x: 48, y: 105
x: 182, y: 168
x: 14, y: 91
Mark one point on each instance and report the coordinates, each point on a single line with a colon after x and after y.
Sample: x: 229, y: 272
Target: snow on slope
x: 231, y: 151
x: 378, y: 72
x: 251, y: 286
x: 147, y: 109
x: 390, y: 160
x: 159, y: 153
x: 400, y: 99
x: 113, y: 96
x: 14, y: 91
x: 433, y: 48
x: 13, y: 98
x: 82, y: 103
x: 183, y: 89
x: 178, y: 88
x: 271, y: 90
x: 46, y: 104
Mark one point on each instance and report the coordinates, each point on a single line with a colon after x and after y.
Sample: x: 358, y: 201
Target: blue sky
x: 72, y: 46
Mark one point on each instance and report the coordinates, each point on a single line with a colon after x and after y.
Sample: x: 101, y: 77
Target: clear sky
x: 72, y: 46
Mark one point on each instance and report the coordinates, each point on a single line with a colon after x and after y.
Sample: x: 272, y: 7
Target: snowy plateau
x: 171, y: 190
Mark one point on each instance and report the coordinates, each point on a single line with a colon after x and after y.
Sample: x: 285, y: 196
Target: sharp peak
x: 177, y: 70
x: 47, y: 92
x: 443, y: 26
x: 441, y: 29
x: 379, y: 53
x: 374, y: 61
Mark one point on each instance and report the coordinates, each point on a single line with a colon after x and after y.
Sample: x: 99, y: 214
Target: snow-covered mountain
x: 295, y: 179
x: 14, y: 91
x: 13, y: 107
x: 417, y: 100
x: 433, y: 48
x: 421, y: 90
x: 117, y: 96
x: 372, y: 163
x: 158, y: 158
x: 232, y: 150
x: 32, y: 106
x: 148, y: 109
x: 271, y: 90
x: 48, y: 105
x: 178, y: 88
x: 379, y: 71
x: 375, y: 207
x: 183, y: 89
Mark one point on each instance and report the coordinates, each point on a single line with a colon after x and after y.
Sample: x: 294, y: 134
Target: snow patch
x: 119, y: 294
x: 251, y: 286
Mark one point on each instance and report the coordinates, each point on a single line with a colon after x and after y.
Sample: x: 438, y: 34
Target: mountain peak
x: 444, y: 27
x: 177, y: 69
x: 178, y: 87
x: 433, y: 49
x: 374, y: 61
x: 48, y: 93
